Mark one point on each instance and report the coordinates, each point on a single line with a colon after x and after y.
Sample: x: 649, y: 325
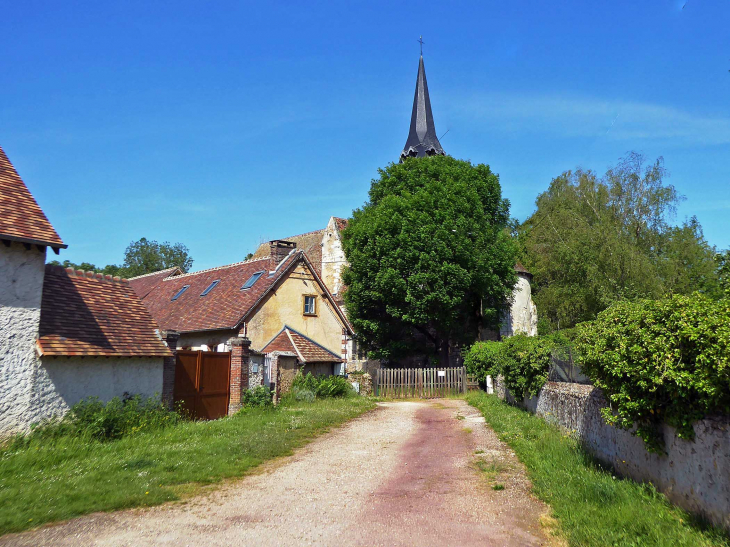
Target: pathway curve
x: 408, y: 473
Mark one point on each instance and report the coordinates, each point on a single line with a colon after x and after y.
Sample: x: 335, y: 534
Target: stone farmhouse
x: 64, y: 335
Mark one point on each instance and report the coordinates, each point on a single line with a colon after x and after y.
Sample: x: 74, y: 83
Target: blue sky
x: 223, y: 124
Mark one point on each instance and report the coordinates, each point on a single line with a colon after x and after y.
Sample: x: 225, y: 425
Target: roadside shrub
x: 258, y: 397
x: 334, y: 386
x: 484, y: 359
x: 523, y: 361
x: 309, y: 381
x: 92, y: 419
x: 660, y: 361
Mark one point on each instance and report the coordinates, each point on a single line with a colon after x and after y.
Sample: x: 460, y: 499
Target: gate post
x: 240, y: 352
x: 168, y: 367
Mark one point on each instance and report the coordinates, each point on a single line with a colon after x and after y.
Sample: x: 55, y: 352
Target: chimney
x: 278, y: 251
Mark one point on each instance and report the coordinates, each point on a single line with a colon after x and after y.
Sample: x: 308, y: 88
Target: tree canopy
x: 141, y: 257
x: 430, y: 258
x: 595, y: 241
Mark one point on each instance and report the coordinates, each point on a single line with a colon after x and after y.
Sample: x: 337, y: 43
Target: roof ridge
x: 71, y: 272
x: 298, y: 235
x: 188, y: 274
x: 153, y: 273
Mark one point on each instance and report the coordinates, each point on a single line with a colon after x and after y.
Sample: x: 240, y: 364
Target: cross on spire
x: 420, y: 41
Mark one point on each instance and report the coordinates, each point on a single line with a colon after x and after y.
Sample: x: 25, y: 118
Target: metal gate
x: 202, y: 383
x: 425, y: 383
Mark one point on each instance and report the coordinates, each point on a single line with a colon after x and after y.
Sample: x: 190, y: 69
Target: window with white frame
x: 310, y: 304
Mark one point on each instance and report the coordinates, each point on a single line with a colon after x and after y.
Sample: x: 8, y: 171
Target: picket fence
x: 424, y: 383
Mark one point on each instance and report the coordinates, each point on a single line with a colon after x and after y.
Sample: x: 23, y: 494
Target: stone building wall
x: 21, y: 287
x: 693, y: 474
x: 522, y: 314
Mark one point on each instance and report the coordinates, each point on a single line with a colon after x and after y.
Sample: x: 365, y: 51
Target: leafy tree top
x: 428, y: 253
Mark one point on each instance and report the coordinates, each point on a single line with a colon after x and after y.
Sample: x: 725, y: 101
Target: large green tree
x: 430, y: 258
x: 141, y: 257
x: 595, y: 241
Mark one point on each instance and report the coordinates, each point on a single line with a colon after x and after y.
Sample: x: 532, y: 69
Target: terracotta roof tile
x: 224, y: 307
x: 304, y: 347
x: 143, y: 284
x: 21, y: 219
x: 310, y: 243
x: 88, y: 314
x: 341, y: 223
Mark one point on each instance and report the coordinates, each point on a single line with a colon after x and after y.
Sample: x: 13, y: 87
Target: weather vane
x: 420, y: 41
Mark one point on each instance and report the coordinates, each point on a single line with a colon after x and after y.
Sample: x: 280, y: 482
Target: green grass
x: 593, y: 507
x: 58, y: 480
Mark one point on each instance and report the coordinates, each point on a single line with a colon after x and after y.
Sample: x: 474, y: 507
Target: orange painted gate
x: 202, y: 383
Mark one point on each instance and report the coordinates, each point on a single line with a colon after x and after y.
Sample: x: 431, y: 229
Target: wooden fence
x: 399, y: 383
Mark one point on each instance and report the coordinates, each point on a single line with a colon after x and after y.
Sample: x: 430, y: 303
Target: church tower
x: 422, y: 139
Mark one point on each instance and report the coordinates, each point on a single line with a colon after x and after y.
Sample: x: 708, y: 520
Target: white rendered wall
x: 62, y: 382
x: 333, y: 258
x: 522, y: 316
x: 21, y: 287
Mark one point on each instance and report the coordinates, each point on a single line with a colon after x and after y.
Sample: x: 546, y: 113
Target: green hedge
x: 660, y: 361
x: 524, y: 361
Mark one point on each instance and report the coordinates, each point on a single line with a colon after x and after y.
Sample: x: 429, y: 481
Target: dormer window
x: 179, y: 293
x: 251, y: 280
x: 210, y: 287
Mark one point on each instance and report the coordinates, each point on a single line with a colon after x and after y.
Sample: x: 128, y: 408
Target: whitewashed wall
x: 522, y: 315
x: 21, y: 287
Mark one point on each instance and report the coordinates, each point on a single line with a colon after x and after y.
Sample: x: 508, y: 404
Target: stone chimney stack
x: 278, y: 251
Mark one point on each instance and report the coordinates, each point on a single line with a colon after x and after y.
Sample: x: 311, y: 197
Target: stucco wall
x: 333, y: 258
x: 21, y: 287
x: 693, y: 474
x: 190, y: 340
x: 62, y: 382
x: 285, y: 307
x: 522, y: 315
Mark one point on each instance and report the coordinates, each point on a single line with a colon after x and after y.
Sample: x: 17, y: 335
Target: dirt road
x: 409, y: 473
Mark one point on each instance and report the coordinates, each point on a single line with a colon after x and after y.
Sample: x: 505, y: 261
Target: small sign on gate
x: 442, y: 373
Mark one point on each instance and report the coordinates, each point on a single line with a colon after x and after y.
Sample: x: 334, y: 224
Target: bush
x: 334, y: 386
x: 301, y: 394
x: 660, y: 361
x: 308, y: 381
x: 92, y: 419
x: 523, y: 361
x: 258, y: 397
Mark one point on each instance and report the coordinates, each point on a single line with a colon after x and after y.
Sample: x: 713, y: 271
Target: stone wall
x: 21, y: 286
x: 364, y: 382
x: 694, y: 475
x: 287, y: 370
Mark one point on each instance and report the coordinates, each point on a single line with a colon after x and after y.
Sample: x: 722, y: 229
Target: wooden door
x: 202, y: 383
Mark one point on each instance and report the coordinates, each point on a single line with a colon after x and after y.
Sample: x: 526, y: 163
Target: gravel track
x: 408, y: 473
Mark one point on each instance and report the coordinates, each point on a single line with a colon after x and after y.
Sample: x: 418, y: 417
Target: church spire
x: 422, y: 139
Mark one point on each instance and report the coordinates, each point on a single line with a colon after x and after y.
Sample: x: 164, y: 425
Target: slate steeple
x: 422, y: 139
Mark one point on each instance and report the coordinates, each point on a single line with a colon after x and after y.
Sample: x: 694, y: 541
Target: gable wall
x: 333, y: 258
x: 285, y: 307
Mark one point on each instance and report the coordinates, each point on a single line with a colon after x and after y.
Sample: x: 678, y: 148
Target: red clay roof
x: 341, y: 223
x: 143, y: 284
x: 224, y: 307
x: 310, y: 243
x: 88, y: 314
x: 21, y: 219
x: 306, y: 349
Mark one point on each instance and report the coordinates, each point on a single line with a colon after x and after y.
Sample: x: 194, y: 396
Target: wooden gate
x: 425, y: 383
x: 202, y: 383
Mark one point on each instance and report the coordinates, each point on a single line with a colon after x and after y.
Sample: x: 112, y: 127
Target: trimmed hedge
x: 660, y: 361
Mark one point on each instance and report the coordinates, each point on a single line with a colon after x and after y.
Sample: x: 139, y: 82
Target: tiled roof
x: 310, y: 243
x: 21, y: 219
x: 222, y: 308
x: 88, y: 314
x: 341, y: 223
x: 143, y: 284
x: 519, y: 268
x: 302, y: 346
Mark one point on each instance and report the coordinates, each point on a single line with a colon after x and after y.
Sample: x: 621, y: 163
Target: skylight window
x: 251, y: 280
x: 210, y: 287
x: 179, y: 293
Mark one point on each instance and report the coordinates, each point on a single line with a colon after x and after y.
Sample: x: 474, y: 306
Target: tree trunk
x: 444, y: 353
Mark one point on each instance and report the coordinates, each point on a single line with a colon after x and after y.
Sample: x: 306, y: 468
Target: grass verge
x: 51, y: 481
x: 593, y: 507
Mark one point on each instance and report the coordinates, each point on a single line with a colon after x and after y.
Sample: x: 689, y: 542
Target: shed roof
x: 306, y: 349
x: 88, y: 314
x: 21, y: 218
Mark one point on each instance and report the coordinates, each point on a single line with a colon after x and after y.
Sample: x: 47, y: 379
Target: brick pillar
x: 168, y: 368
x: 240, y: 352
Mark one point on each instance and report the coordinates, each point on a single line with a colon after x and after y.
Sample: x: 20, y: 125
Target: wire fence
x: 563, y: 368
